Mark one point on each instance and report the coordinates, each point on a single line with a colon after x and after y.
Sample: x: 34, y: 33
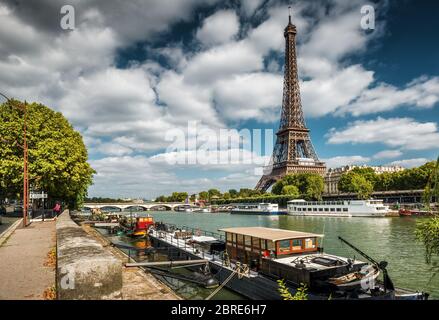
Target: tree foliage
x: 174, y: 197
x: 357, y: 183
x: 301, y: 293
x: 364, y: 181
x: 57, y: 154
x: 309, y: 185
x: 427, y: 231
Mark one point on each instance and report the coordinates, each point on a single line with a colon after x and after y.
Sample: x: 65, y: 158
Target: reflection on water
x: 390, y: 239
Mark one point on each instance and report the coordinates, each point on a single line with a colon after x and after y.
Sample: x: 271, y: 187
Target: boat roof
x: 270, y: 233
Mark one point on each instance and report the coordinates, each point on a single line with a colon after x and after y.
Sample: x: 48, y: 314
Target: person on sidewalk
x: 57, y: 209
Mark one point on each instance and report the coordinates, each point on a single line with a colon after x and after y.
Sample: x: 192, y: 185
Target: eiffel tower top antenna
x: 289, y: 14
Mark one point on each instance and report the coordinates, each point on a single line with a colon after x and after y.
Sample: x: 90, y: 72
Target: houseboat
x: 346, y: 208
x: 258, y: 209
x: 137, y: 228
x: 251, y: 260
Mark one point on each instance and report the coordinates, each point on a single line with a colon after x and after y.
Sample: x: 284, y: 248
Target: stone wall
x: 85, y: 270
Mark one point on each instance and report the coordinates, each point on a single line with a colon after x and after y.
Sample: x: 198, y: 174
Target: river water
x: 391, y: 239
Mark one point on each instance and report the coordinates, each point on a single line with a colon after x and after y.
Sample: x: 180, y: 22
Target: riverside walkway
x: 23, y: 274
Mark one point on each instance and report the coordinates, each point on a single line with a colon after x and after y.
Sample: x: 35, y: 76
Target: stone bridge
x: 130, y: 205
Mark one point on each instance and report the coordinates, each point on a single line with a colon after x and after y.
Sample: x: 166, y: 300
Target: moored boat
x: 139, y: 228
x: 413, y: 212
x: 255, y: 257
x: 258, y: 209
x: 346, y: 208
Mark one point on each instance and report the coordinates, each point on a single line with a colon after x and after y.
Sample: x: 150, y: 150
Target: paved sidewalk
x: 22, y: 271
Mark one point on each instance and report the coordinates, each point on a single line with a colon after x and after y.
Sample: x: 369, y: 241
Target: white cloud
x: 345, y: 160
x: 410, y: 163
x: 388, y: 154
x: 250, y: 96
x: 405, y: 133
x: 223, y: 61
x: 422, y: 93
x: 219, y: 28
x: 324, y: 95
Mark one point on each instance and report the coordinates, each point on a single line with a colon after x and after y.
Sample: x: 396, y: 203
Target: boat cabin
x: 284, y: 254
x: 143, y: 223
x: 251, y: 244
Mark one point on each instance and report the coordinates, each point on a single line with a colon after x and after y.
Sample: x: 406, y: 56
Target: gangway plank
x: 165, y: 263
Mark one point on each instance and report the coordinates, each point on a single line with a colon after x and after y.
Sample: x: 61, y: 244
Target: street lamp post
x: 25, y: 154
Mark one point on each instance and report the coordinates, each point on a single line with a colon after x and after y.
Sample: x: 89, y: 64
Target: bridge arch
x: 110, y: 208
x: 155, y: 207
x: 137, y: 206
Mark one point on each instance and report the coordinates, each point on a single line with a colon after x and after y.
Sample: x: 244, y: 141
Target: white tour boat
x: 257, y: 209
x: 345, y: 208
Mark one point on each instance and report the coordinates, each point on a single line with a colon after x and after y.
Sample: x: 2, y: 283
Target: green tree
x: 204, y: 195
x: 356, y: 183
x: 291, y: 191
x: 57, y: 154
x: 361, y: 186
x: 314, y: 186
x: 214, y: 193
x: 161, y: 199
x: 309, y: 185
x: 177, y: 197
x: 427, y: 231
x: 233, y: 193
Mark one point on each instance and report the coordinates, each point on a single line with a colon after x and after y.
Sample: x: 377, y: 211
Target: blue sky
x: 130, y: 75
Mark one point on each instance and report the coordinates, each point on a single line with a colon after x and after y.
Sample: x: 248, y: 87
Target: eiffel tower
x: 293, y: 151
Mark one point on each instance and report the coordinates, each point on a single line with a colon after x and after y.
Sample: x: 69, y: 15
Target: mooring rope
x: 222, y: 284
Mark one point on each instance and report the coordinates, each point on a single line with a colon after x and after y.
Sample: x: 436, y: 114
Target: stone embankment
x: 90, y: 268
x: 85, y: 270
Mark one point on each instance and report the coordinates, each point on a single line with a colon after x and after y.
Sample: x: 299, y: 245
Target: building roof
x: 270, y: 233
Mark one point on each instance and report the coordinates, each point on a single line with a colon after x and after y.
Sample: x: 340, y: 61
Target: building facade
x: 333, y: 175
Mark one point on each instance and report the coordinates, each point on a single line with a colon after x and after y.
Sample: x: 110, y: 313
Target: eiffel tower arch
x: 293, y: 151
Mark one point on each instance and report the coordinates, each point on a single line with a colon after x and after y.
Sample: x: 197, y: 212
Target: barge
x: 252, y: 259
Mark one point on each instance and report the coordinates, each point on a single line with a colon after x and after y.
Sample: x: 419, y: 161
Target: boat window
x: 345, y: 209
x: 255, y: 242
x: 309, y: 209
x: 229, y: 237
x: 320, y: 209
x: 326, y: 209
x: 240, y: 239
x: 332, y: 209
x: 297, y: 244
x: 248, y: 241
x: 338, y: 209
x: 299, y: 209
x: 270, y: 245
x: 284, y: 245
x: 310, y: 243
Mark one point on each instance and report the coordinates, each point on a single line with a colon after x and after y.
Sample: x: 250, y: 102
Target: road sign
x: 41, y: 195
